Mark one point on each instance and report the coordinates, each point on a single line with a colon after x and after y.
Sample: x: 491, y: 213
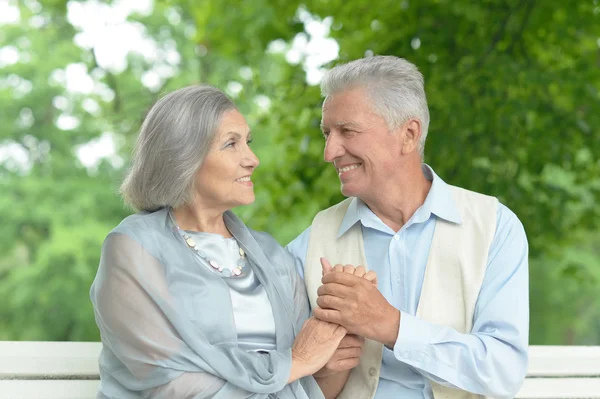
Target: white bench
x: 69, y: 370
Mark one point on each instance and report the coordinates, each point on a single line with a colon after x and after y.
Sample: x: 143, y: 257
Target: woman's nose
x: 251, y: 160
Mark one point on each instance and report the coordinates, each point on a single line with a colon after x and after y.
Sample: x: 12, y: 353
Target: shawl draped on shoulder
x: 166, y: 321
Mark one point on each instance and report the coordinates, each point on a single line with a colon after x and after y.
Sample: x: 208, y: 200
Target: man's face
x: 359, y: 144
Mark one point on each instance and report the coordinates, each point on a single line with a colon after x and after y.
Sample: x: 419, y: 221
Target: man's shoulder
x: 462, y: 192
x: 504, y: 215
x: 471, y: 202
x: 341, y: 206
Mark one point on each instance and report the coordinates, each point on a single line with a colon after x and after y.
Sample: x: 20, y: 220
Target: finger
x: 371, y: 276
x: 326, y: 266
x: 352, y: 341
x: 346, y: 364
x: 330, y: 302
x: 346, y: 353
x: 338, y: 268
x: 346, y: 279
x: 360, y: 271
x: 338, y: 290
x: 340, y: 333
x: 329, y: 315
x: 349, y: 269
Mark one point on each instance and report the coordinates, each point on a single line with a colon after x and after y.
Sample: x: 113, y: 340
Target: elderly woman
x: 189, y: 301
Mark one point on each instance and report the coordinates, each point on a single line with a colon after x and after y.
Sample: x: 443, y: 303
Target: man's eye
x: 249, y: 141
x: 230, y: 144
x: 325, y: 135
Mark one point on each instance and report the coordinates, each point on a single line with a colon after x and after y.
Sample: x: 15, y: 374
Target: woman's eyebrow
x: 233, y: 134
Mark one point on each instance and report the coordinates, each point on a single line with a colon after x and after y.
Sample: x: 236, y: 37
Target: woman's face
x: 223, y: 181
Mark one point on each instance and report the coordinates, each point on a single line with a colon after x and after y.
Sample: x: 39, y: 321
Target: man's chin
x: 349, y: 191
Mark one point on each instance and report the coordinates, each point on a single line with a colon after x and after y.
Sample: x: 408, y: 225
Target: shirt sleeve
x: 298, y: 248
x: 491, y: 360
x: 301, y: 303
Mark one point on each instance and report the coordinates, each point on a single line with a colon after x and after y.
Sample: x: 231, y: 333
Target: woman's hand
x: 358, y: 271
x: 313, y: 347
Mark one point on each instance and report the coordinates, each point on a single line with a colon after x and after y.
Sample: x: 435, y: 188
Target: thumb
x: 326, y: 266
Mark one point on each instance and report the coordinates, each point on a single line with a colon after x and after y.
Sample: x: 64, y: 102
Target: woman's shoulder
x: 265, y: 240
x: 138, y: 234
x: 273, y: 249
x: 142, y: 224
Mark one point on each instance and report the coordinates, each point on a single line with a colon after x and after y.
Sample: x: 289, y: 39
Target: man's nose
x: 333, y: 148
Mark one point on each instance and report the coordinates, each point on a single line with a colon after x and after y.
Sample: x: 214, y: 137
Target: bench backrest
x: 557, y: 372
x: 49, y: 370
x: 69, y: 370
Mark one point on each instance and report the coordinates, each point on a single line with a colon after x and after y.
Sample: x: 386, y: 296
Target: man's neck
x: 400, y: 198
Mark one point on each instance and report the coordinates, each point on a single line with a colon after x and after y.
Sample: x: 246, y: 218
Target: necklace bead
x: 191, y: 244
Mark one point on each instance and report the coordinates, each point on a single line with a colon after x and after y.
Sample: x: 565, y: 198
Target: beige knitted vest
x: 453, y: 276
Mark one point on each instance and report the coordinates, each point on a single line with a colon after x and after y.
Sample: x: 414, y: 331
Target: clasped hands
x: 350, y: 298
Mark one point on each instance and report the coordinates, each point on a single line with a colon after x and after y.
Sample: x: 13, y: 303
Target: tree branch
x: 524, y: 21
x: 499, y: 34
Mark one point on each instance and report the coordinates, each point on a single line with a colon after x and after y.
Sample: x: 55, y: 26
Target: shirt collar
x: 439, y: 201
x: 351, y: 217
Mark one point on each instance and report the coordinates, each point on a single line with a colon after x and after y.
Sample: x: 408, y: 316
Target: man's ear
x: 411, y: 136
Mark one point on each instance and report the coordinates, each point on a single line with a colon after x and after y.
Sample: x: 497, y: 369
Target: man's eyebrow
x: 341, y: 124
x: 345, y: 124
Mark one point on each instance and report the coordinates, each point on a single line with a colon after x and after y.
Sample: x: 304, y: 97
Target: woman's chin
x: 247, y: 200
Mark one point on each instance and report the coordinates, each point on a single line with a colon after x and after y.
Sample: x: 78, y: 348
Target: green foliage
x: 512, y: 87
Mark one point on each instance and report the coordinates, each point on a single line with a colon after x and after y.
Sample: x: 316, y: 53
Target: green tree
x: 512, y: 87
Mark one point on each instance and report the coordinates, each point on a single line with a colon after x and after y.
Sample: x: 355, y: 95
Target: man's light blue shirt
x: 492, y: 359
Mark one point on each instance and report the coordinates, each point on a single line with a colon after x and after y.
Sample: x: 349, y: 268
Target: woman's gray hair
x: 395, y: 87
x: 173, y: 141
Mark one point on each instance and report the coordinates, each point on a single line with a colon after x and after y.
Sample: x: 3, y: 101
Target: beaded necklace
x: 191, y: 244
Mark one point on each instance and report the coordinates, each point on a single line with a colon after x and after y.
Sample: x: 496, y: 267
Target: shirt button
x: 372, y: 371
x: 396, y: 237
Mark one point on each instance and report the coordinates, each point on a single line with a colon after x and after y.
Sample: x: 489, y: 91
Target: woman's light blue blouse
x: 252, y: 311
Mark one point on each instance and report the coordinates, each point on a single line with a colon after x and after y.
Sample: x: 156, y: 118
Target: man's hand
x: 346, y: 357
x: 356, y: 304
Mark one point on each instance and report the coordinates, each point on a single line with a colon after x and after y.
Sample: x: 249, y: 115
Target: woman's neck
x: 191, y: 218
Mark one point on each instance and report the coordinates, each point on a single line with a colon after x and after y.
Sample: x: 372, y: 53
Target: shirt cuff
x: 414, y: 337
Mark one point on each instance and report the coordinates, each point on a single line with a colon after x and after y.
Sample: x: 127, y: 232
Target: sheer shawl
x: 166, y: 321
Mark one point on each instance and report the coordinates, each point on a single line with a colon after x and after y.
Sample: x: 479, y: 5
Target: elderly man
x: 449, y: 315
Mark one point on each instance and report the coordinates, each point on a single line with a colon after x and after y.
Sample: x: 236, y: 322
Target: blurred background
x: 513, y: 89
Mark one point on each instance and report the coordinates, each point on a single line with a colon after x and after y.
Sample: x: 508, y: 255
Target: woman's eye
x: 249, y: 141
x: 230, y: 144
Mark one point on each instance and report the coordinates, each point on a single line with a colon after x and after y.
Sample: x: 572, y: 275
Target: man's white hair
x: 394, y: 85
